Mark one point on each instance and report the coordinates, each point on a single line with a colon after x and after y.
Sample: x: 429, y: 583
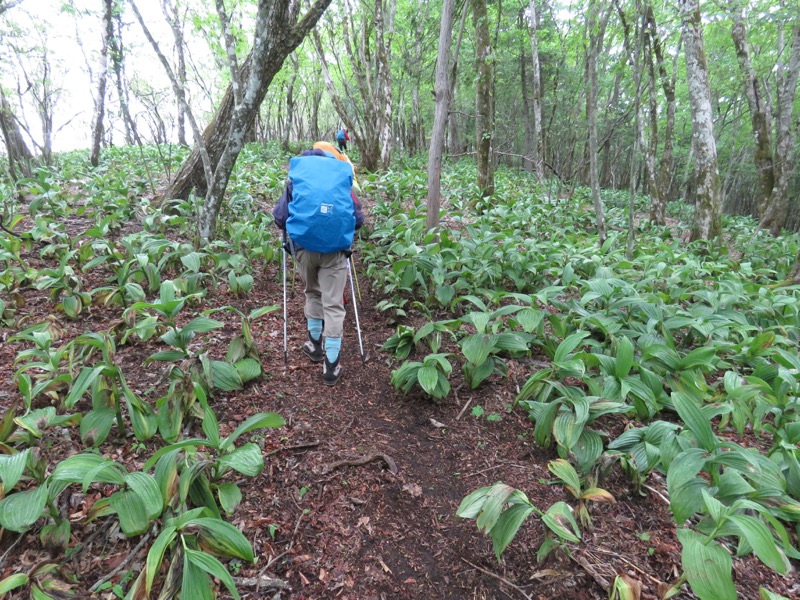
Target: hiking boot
x: 313, y: 349
x: 331, y: 372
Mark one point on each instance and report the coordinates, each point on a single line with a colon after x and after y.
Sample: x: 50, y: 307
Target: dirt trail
x: 371, y: 532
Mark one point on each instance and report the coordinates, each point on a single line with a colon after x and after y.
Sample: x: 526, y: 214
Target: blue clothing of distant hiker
x: 342, y: 137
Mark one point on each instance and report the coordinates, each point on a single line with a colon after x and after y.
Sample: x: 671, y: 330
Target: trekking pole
x: 294, y: 263
x: 355, y: 311
x: 355, y: 276
x: 285, y: 337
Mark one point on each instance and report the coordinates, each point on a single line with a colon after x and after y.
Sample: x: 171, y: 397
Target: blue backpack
x: 321, y: 214
x: 340, y: 135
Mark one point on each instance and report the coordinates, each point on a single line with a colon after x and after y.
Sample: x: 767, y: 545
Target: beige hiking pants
x: 325, y: 276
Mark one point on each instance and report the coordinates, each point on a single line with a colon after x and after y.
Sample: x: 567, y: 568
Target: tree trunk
x: 775, y: 214
x: 384, y: 31
x: 638, y: 128
x: 118, y: 64
x: 366, y: 110
x: 527, y: 147
x: 796, y: 272
x: 708, y: 205
x: 651, y: 149
x: 536, y: 94
x: 45, y: 97
x: 230, y: 51
x: 19, y: 155
x: 442, y: 93
x: 416, y: 137
x: 596, y: 24
x: 660, y: 193
x: 316, y: 100
x: 176, y: 25
x: 759, y: 113
x: 277, y: 35
x: 102, y: 78
x: 283, y: 36
x: 290, y: 103
x: 484, y: 100
x: 453, y: 143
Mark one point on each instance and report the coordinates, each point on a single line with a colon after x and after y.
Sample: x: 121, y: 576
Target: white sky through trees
x: 71, y: 41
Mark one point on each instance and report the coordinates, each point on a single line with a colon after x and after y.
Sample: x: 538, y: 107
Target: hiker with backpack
x: 319, y: 214
x: 342, y: 137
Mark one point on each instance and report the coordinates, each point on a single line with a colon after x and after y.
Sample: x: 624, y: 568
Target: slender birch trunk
x: 453, y: 143
x: 484, y: 100
x: 384, y: 32
x: 102, y: 79
x: 660, y: 190
x: 708, y: 206
x: 442, y: 94
x: 536, y: 93
x: 596, y: 25
x: 638, y: 129
x: 170, y: 10
x: 118, y: 65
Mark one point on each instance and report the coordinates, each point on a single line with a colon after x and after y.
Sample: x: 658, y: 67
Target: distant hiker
x: 342, y: 137
x: 320, y: 213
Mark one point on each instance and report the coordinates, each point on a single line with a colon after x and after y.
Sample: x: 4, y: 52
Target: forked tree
x: 363, y: 35
x: 279, y: 30
x: 774, y: 162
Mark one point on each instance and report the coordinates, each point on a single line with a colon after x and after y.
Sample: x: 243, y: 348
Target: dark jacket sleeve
x: 281, y: 211
x: 359, y: 214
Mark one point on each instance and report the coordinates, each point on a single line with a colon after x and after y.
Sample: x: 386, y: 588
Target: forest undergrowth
x: 619, y: 425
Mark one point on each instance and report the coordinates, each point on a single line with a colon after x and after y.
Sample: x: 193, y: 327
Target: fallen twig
x: 630, y: 564
x: 492, y: 468
x: 294, y: 533
x: 145, y: 538
x: 10, y: 548
x: 661, y: 496
x: 496, y: 576
x: 98, y: 532
x: 584, y: 564
x: 465, y: 407
x: 362, y: 461
x: 8, y: 231
x: 313, y: 444
x: 262, y: 581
